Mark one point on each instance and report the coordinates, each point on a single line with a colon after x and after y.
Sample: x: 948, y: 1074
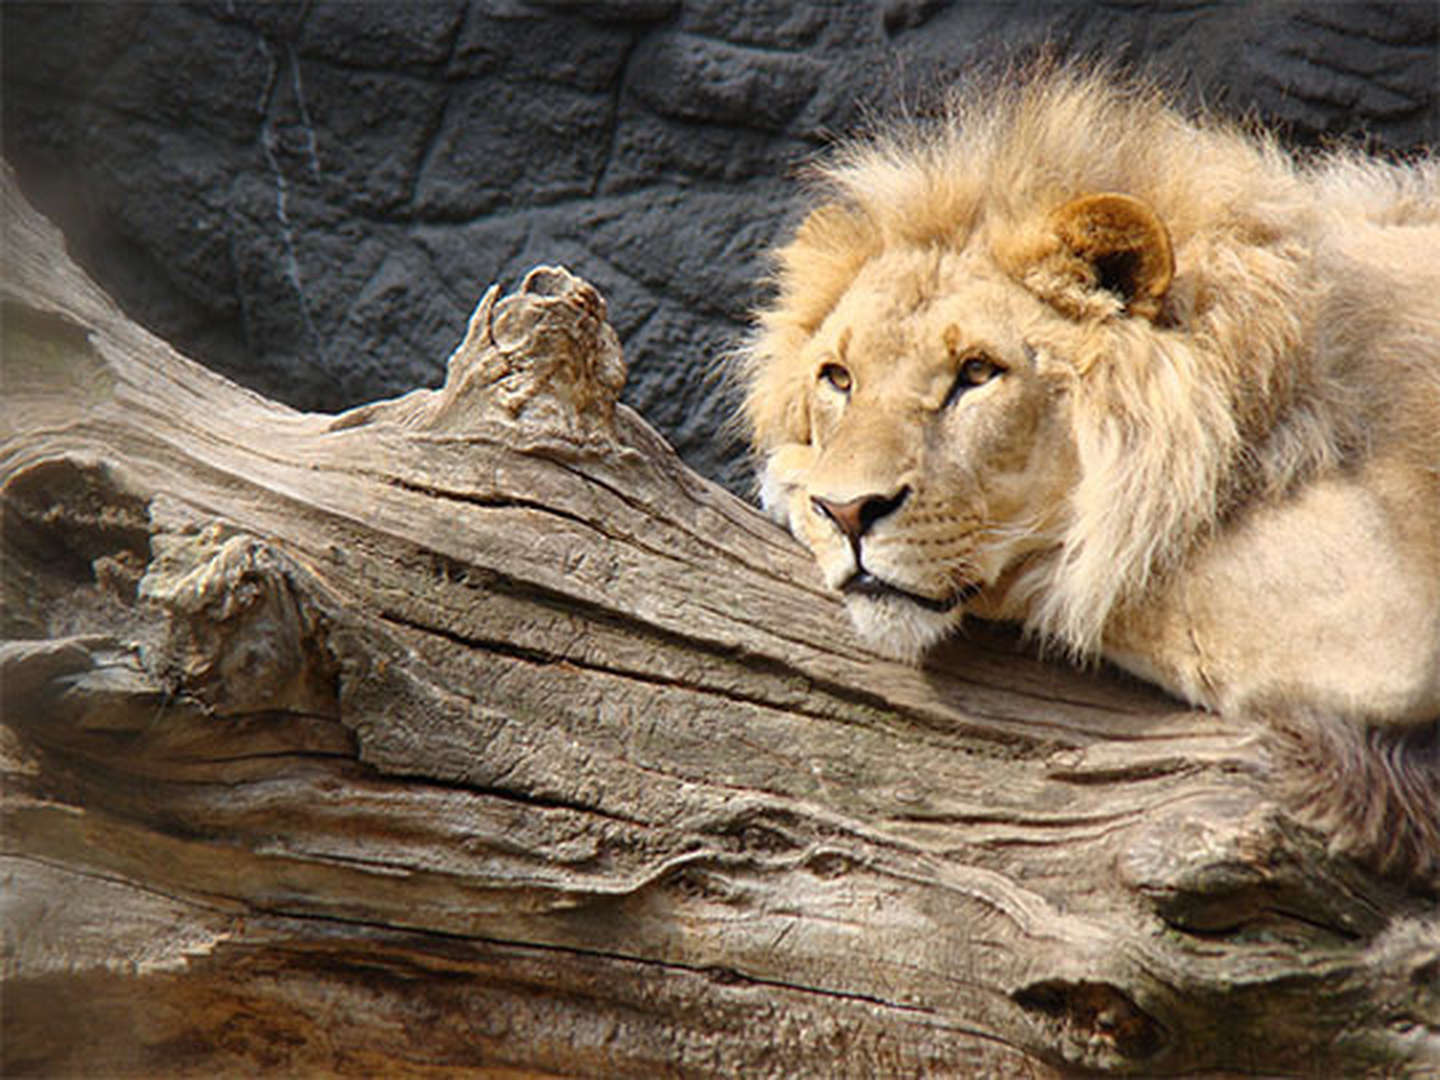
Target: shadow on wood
x: 471, y: 732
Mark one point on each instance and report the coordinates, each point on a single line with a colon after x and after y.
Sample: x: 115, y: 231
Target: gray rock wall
x: 310, y: 198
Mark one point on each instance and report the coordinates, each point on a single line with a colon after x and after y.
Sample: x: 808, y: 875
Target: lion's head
x: 1000, y: 373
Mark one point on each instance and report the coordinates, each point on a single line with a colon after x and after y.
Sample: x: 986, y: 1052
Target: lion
x: 1149, y: 387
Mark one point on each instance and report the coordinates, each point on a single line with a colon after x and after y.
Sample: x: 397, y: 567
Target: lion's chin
x: 899, y: 628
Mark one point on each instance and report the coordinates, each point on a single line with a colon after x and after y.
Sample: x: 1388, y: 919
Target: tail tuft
x: 1373, y: 791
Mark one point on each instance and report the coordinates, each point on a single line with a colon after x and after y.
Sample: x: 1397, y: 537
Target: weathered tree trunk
x: 471, y: 731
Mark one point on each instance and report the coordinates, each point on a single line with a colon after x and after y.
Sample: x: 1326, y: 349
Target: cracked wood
x: 470, y: 730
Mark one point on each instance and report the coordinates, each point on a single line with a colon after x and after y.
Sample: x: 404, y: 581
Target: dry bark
x: 471, y: 732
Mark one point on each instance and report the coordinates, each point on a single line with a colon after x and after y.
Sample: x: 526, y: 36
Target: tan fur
x: 1211, y: 453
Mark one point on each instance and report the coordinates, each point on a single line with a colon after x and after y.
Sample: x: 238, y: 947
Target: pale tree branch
x: 472, y: 731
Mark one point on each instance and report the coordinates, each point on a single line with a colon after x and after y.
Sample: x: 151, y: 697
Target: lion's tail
x: 1373, y: 791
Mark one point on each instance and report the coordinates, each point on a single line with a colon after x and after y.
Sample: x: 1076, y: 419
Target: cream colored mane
x: 1175, y: 430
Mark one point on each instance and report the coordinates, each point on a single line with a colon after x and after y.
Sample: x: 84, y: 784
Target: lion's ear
x: 1124, y: 244
x: 1112, y: 242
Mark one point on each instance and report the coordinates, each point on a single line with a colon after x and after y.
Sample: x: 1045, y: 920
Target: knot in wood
x: 1096, y: 1025
x: 544, y: 357
x: 241, y: 635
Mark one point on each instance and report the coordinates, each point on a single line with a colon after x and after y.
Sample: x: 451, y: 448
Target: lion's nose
x: 854, y: 518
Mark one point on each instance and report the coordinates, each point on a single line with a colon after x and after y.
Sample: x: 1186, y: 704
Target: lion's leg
x: 1320, y: 616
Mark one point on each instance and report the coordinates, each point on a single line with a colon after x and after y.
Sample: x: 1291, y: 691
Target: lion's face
x: 937, y: 456
x: 914, y: 401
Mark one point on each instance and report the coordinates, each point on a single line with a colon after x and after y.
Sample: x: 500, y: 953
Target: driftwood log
x: 471, y: 732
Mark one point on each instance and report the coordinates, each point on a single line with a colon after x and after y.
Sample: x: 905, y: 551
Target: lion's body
x: 1144, y: 385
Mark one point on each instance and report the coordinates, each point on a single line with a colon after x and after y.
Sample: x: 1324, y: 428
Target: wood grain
x: 471, y: 733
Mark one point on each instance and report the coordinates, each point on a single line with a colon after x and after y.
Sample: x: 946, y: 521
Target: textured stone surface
x: 310, y: 198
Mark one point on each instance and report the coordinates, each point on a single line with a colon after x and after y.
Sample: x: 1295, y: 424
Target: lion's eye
x: 837, y: 377
x: 974, y: 371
